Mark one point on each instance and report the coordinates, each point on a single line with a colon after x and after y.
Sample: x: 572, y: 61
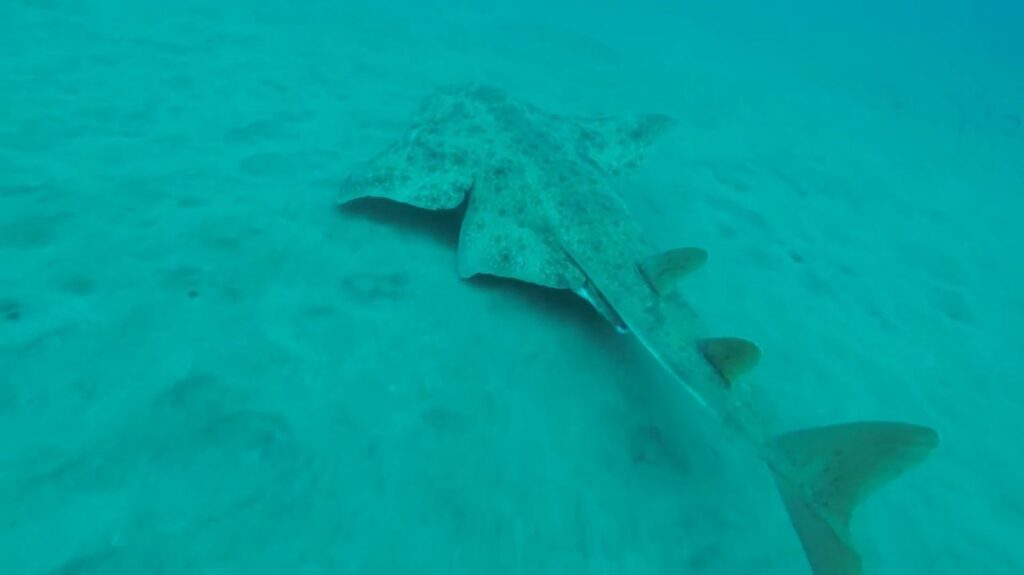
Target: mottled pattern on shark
x: 540, y: 208
x: 476, y: 145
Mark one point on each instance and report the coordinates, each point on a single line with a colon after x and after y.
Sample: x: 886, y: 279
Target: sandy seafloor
x: 205, y: 368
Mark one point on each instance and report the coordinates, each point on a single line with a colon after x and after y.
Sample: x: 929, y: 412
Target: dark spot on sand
x: 78, y: 285
x: 815, y: 283
x: 190, y: 202
x: 197, y: 395
x: 952, y: 304
x: 183, y: 278
x: 11, y: 310
x: 371, y: 287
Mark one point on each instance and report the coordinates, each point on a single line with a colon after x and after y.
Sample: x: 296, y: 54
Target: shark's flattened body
x: 540, y: 209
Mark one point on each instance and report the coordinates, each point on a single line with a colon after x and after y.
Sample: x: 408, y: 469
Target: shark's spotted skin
x: 517, y: 166
x: 540, y: 209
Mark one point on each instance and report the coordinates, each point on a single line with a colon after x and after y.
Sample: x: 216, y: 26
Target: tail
x: 824, y: 472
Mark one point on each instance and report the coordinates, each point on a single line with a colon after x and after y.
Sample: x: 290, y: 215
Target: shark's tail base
x: 824, y: 472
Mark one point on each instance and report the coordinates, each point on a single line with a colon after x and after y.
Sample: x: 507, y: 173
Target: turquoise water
x: 205, y: 367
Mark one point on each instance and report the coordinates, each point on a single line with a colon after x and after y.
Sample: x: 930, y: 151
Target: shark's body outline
x: 474, y: 145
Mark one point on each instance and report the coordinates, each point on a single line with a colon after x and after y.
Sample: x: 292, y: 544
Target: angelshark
x: 540, y: 207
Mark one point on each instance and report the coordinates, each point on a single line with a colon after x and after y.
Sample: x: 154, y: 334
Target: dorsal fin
x: 731, y: 356
x: 662, y: 270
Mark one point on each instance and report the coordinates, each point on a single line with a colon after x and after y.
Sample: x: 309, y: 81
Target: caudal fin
x: 824, y: 472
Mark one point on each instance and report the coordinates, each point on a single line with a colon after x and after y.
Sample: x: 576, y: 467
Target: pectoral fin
x: 414, y: 171
x: 618, y: 144
x: 493, y: 243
